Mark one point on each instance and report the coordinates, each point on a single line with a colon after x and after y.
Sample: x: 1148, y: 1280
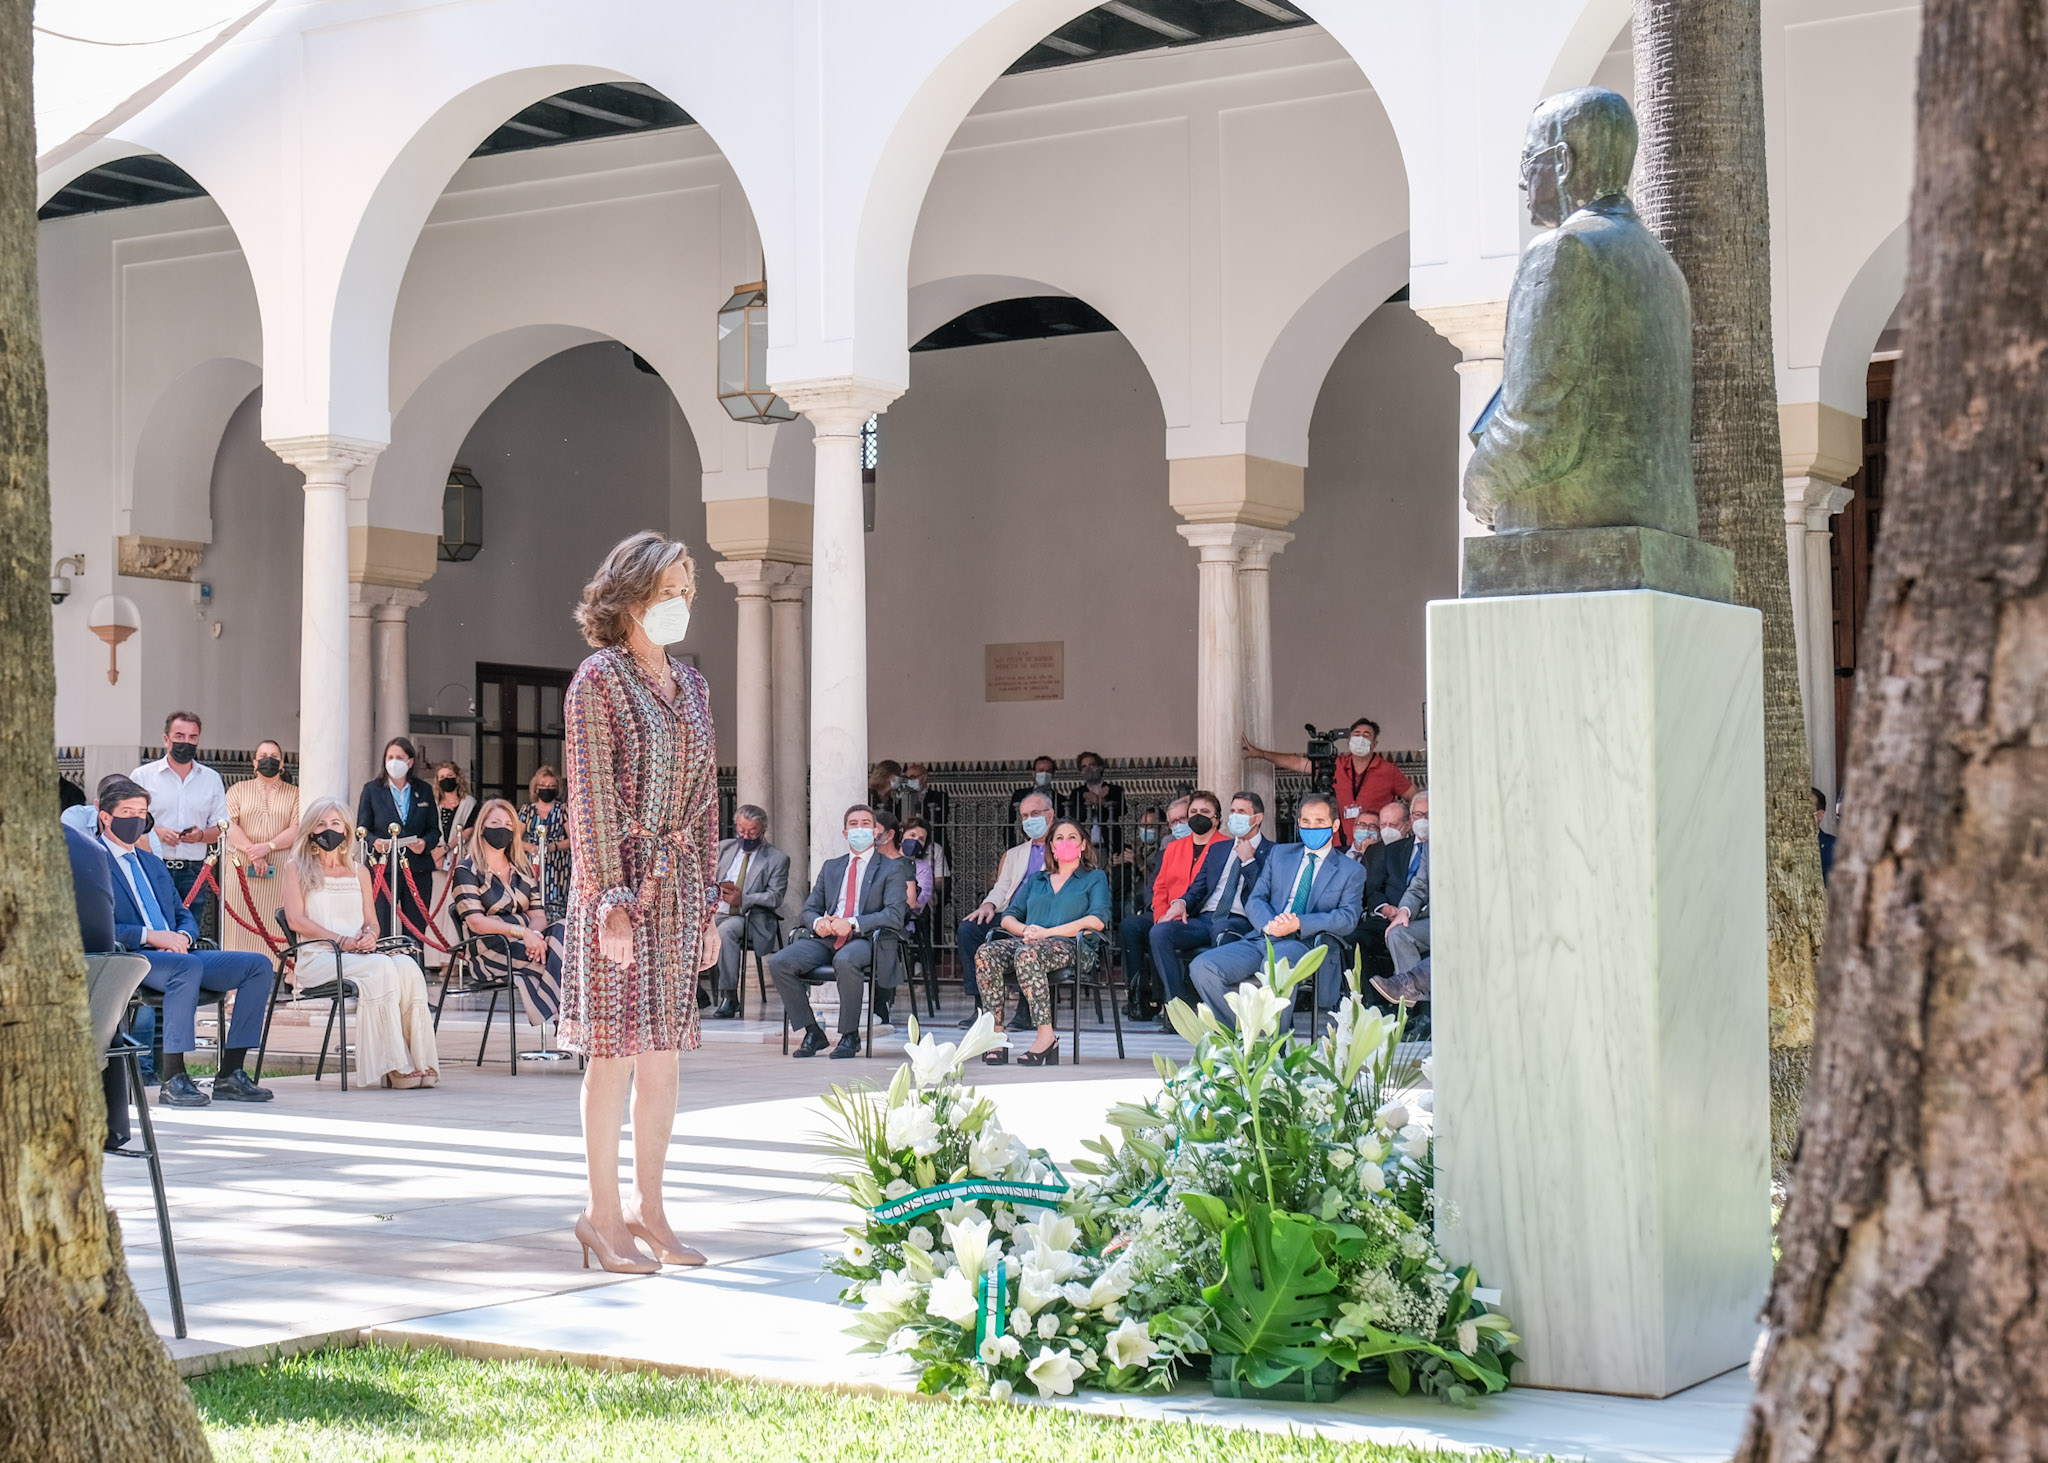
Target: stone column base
x: 1597, y: 903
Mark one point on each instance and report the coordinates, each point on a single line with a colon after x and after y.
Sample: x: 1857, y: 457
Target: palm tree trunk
x: 1908, y: 1319
x: 82, y: 1374
x: 1701, y: 187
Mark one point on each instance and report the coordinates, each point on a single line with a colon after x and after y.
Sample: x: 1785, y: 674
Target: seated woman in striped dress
x: 497, y: 897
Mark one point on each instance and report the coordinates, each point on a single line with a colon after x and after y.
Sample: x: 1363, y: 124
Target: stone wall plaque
x: 1033, y: 670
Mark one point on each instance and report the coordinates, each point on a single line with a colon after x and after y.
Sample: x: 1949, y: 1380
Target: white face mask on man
x: 667, y: 620
x: 1361, y: 746
x: 1421, y: 826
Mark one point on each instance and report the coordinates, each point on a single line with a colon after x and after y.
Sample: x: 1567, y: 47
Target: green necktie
x: 1304, y: 886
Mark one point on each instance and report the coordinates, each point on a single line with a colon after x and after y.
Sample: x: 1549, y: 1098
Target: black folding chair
x: 127, y: 1051
x: 760, y: 954
x: 1095, y: 979
x: 480, y: 982
x: 154, y: 1000
x: 337, y: 992
x: 887, y: 946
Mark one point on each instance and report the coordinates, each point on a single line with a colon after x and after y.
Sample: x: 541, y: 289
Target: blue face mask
x: 1181, y: 830
x: 1148, y: 835
x: 1034, y: 827
x: 1239, y: 824
x: 860, y: 840
x: 1314, y: 838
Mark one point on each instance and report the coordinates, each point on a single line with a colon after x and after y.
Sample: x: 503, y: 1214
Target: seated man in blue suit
x: 1308, y: 893
x: 860, y: 897
x: 1214, y: 905
x: 150, y: 918
x: 110, y: 976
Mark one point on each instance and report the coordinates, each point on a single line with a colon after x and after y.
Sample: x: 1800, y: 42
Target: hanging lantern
x: 743, y: 358
x: 114, y: 618
x: 462, y: 517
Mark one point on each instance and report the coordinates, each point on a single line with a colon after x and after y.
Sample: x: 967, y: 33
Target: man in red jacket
x: 1363, y: 779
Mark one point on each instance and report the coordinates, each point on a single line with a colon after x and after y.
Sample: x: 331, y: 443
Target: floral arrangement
x: 1272, y: 1208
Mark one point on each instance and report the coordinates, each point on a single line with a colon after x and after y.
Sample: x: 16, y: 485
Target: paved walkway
x: 444, y: 1215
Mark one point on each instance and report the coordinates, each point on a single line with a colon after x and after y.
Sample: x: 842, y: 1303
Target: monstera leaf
x: 1273, y: 1300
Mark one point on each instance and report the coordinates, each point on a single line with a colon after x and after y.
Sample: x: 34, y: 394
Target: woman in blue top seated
x: 1051, y: 911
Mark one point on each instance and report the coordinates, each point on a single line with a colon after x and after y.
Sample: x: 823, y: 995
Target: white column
x: 839, y: 603
x: 1219, y: 654
x: 789, y: 809
x: 394, y: 691
x: 753, y: 744
x: 1477, y: 330
x: 1255, y: 624
x: 362, y: 683
x: 1809, y: 503
x: 324, y: 608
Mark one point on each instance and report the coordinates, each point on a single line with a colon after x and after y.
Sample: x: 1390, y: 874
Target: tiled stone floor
x: 445, y: 1215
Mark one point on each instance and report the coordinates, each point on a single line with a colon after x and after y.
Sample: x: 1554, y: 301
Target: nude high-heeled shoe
x: 681, y: 1255
x: 591, y: 1241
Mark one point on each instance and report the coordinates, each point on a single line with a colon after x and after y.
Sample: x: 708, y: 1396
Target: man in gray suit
x: 753, y: 880
x: 857, y: 907
x: 1408, y: 926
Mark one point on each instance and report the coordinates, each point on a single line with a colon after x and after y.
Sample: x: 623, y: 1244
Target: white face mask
x: 667, y: 620
x: 399, y: 768
x: 1390, y: 835
x: 1361, y: 746
x: 1421, y: 826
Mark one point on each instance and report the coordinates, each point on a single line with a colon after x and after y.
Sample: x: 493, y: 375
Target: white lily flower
x: 988, y: 1152
x: 981, y: 1037
x: 1075, y: 1294
x: 969, y: 1238
x: 889, y: 1293
x: 931, y: 1061
x: 1000, y: 1391
x: 1053, y: 1372
x: 912, y: 1126
x: 1257, y: 1008
x: 1130, y: 1344
x: 952, y: 1299
x: 1050, y: 1232
x: 1036, y: 1286
x: 1110, y: 1286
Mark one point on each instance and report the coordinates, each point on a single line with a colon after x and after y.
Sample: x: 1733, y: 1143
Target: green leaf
x: 1272, y: 1303
x: 1210, y: 1212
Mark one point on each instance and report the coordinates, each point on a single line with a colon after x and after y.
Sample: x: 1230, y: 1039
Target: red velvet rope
x: 259, y: 929
x: 426, y: 936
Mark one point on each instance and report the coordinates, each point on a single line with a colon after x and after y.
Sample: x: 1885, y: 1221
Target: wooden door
x: 1852, y: 544
x: 519, y: 727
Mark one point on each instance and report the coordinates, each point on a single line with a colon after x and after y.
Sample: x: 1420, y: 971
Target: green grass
x: 371, y: 1403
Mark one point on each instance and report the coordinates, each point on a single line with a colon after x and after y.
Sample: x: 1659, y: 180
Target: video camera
x: 1323, y: 746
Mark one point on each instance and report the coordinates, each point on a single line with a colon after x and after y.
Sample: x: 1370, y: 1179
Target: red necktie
x: 852, y: 901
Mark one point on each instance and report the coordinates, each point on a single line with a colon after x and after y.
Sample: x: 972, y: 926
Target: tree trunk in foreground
x: 1701, y: 187
x: 82, y: 1374
x: 1910, y: 1319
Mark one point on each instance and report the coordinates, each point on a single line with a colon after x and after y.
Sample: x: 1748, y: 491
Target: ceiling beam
x: 1135, y: 16
x: 535, y: 130
x: 178, y: 188
x: 584, y: 109
x: 1071, y: 48
x: 1270, y: 9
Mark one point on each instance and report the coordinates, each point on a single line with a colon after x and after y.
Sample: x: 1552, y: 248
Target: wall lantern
x: 114, y: 618
x: 743, y: 358
x: 462, y: 517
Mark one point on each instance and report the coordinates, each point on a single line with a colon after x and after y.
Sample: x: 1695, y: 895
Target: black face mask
x: 183, y: 752
x: 543, y: 795
x: 1202, y: 823
x: 448, y: 784
x: 329, y: 839
x: 498, y: 838
x: 268, y: 766
x: 129, y: 830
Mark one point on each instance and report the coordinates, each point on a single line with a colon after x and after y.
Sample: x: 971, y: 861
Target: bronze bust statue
x: 1582, y: 462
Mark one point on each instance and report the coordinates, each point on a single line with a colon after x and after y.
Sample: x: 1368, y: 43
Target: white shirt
x: 850, y: 908
x: 125, y: 860
x: 1243, y: 880
x: 199, y: 799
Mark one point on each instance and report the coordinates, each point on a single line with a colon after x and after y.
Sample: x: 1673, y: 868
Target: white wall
x: 579, y: 452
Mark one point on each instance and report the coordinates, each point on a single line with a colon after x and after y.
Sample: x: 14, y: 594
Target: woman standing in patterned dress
x: 643, y: 824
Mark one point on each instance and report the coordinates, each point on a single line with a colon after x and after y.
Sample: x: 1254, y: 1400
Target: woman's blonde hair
x: 626, y: 581
x: 517, y: 852
x: 306, y: 853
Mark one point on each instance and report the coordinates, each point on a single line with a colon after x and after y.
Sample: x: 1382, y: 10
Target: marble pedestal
x: 1597, y: 890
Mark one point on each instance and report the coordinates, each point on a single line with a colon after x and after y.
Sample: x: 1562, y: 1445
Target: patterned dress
x: 642, y: 780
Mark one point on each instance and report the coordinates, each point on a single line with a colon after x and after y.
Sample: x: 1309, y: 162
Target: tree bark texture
x: 1701, y: 187
x: 1910, y: 1315
x: 82, y: 1374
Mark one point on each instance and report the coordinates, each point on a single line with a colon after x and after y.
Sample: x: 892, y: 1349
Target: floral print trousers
x: 1033, y: 962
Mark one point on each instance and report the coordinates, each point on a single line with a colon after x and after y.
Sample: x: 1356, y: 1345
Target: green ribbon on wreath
x: 990, y: 1318
x: 944, y: 1196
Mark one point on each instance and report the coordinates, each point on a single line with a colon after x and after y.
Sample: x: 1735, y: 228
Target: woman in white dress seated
x: 327, y: 897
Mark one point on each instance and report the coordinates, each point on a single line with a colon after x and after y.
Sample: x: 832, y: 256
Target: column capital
x: 1811, y: 501
x: 753, y: 578
x: 363, y: 598
x: 792, y: 586
x: 396, y: 603
x: 1221, y: 542
x: 325, y: 458
x: 839, y: 406
x: 777, y: 529
x: 1819, y: 440
x: 1478, y: 329
x: 1258, y: 554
